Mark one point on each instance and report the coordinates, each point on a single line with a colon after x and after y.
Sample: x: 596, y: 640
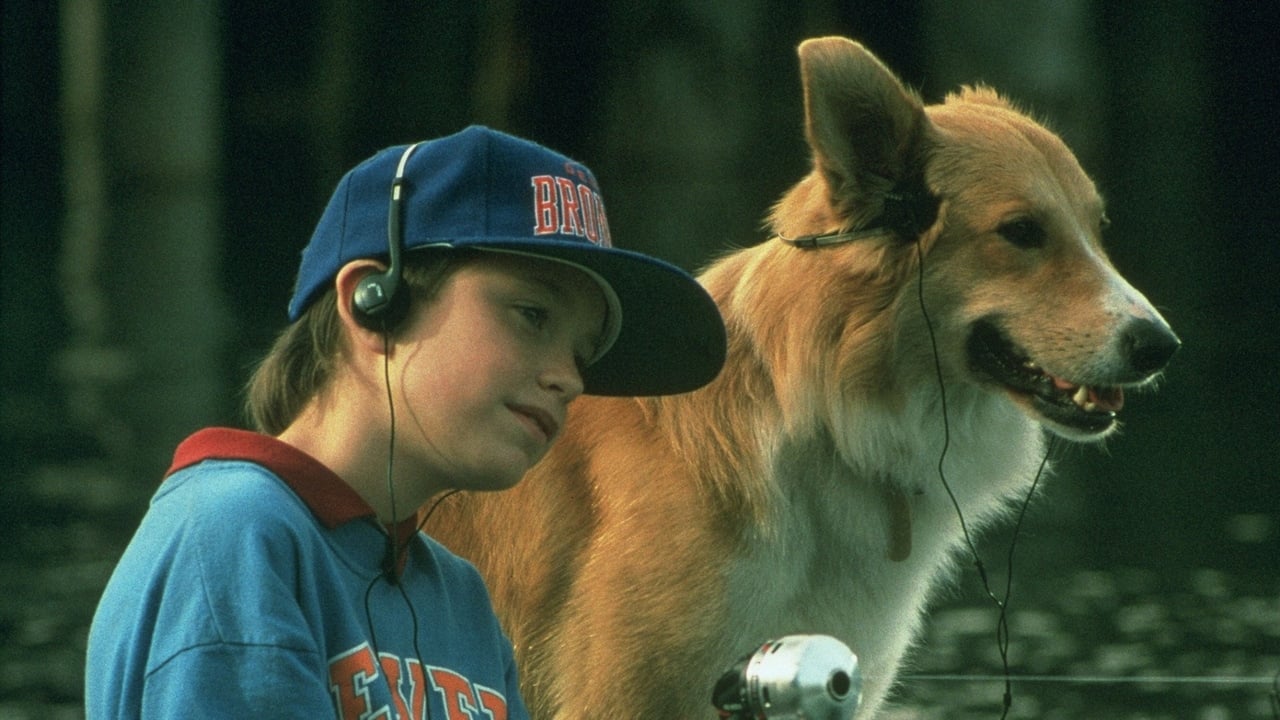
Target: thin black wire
x: 394, y: 545
x: 427, y: 515
x: 391, y: 488
x: 391, y: 440
x: 1102, y: 679
x: 1002, y: 622
x: 413, y: 615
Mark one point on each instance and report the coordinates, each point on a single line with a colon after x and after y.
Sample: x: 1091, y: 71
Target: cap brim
x: 672, y: 337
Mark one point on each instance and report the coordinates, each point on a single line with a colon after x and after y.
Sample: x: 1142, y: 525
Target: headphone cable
x: 391, y: 563
x: 1002, y: 623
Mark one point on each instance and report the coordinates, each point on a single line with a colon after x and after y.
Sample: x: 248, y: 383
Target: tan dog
x: 799, y: 493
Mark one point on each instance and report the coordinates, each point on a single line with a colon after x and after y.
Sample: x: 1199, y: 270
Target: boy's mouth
x: 541, y: 419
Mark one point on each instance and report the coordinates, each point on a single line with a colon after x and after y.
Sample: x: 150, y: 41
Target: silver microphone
x: 795, y: 677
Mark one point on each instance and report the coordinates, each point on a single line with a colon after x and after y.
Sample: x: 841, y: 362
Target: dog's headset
x: 909, y: 209
x: 377, y: 303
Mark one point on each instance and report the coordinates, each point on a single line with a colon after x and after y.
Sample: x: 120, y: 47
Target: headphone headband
x: 375, y: 303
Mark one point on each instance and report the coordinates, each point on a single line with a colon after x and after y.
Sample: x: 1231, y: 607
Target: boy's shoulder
x: 225, y: 507
x: 247, y: 475
x: 220, y: 486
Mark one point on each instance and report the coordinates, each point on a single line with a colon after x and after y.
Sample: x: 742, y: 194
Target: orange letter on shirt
x: 349, y: 676
x: 459, y: 702
x: 492, y: 702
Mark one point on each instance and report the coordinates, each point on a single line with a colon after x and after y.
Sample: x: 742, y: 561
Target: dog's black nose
x: 1148, y: 345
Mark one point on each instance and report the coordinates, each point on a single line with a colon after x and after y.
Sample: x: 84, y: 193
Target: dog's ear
x: 869, y: 135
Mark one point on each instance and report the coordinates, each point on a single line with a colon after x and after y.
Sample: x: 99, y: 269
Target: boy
x: 456, y: 296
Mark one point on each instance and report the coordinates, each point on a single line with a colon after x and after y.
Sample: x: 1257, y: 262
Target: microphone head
x: 391, y: 563
x: 811, y: 677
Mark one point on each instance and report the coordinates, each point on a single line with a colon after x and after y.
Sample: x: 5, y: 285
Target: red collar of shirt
x: 330, y: 498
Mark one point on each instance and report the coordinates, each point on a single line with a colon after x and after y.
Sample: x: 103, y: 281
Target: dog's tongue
x: 1107, y: 399
x: 1111, y: 398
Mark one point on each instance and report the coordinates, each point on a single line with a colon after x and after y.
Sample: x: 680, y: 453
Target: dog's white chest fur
x: 822, y: 562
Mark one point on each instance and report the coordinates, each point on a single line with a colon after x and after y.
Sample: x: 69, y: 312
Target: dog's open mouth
x: 1088, y: 409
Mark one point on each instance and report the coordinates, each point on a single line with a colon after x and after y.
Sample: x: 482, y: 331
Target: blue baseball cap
x: 490, y: 191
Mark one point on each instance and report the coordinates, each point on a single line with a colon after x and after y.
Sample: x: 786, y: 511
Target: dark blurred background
x: 164, y: 163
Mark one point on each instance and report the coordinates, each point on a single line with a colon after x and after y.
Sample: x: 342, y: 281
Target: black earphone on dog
x: 377, y: 303
x: 909, y: 209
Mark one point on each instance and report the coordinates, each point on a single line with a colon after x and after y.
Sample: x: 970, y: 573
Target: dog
x: 933, y: 297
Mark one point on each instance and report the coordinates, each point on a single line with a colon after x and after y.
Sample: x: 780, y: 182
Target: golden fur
x: 663, y: 538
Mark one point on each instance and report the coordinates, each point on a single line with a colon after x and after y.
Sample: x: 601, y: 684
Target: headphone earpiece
x: 377, y: 303
x: 374, y: 302
x: 909, y: 209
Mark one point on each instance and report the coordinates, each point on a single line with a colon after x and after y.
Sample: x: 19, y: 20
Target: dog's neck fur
x: 835, y: 484
x: 831, y: 539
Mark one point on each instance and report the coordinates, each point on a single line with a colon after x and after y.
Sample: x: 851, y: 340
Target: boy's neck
x: 359, y: 458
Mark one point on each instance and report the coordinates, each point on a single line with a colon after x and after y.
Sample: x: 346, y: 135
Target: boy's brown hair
x: 302, y: 360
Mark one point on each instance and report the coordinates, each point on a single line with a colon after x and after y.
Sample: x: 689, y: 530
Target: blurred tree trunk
x: 140, y: 250
x: 701, y: 116
x: 89, y: 360
x: 1042, y: 54
x: 1161, y: 494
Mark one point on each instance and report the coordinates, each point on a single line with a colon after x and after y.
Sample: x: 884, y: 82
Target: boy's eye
x: 536, y: 316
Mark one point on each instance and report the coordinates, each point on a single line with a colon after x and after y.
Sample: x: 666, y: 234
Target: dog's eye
x: 1023, y: 232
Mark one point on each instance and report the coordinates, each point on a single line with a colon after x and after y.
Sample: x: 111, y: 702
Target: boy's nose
x: 563, y: 377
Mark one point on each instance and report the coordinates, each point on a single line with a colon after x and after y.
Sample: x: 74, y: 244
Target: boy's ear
x: 345, y: 284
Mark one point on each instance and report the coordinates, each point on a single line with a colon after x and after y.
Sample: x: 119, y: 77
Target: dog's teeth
x: 1081, y: 397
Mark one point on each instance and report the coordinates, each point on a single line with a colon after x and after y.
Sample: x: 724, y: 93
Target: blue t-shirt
x: 253, y: 588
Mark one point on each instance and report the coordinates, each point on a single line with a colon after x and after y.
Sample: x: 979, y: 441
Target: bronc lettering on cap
x: 570, y: 218
x: 563, y: 206
x: 587, y: 200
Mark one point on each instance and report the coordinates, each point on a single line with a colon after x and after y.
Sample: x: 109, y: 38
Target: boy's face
x: 485, y: 371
